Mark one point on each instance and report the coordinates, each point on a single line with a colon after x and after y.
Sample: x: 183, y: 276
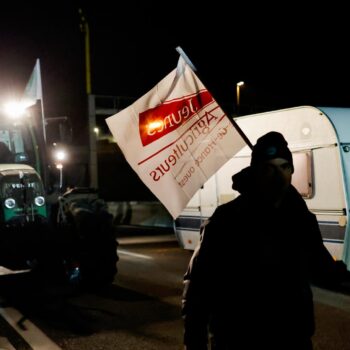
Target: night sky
x: 287, y: 55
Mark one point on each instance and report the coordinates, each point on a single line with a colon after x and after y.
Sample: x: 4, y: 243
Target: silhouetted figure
x: 242, y: 181
x: 6, y: 156
x: 248, y: 282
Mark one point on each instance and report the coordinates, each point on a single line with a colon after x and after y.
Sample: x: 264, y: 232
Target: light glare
x: 60, y: 155
x: 14, y: 109
x: 154, y: 125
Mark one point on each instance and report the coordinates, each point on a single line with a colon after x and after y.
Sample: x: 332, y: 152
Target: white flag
x: 33, y: 90
x: 175, y: 137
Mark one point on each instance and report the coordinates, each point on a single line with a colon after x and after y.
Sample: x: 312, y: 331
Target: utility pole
x: 93, y: 175
x: 84, y: 28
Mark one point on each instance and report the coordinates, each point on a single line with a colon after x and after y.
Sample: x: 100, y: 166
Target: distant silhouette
x: 248, y: 282
x: 6, y: 156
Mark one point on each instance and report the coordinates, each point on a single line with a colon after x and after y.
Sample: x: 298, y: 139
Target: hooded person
x: 270, y: 170
x: 248, y: 281
x: 270, y: 146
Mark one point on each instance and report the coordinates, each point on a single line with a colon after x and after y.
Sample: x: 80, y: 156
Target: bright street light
x: 60, y: 155
x: 238, y: 88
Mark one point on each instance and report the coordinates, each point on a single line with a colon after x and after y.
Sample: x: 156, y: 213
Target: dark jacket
x: 249, y: 278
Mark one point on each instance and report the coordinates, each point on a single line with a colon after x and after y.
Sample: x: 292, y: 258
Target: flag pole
x: 233, y: 122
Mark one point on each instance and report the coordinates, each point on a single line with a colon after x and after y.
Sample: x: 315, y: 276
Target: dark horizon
x: 285, y: 60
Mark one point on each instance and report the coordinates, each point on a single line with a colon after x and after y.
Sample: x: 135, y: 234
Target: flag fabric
x: 175, y: 137
x: 33, y: 90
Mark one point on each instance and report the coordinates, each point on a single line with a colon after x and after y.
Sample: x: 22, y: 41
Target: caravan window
x: 302, y: 177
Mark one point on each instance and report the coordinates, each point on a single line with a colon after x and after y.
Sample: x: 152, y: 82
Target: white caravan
x: 319, y: 139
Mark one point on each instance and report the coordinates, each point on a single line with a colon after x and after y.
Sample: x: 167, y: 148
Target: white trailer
x: 319, y: 139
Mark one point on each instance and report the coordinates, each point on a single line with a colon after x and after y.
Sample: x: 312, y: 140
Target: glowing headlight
x: 10, y: 203
x: 15, y: 109
x: 39, y: 201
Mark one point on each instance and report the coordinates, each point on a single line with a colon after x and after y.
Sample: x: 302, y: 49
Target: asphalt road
x: 332, y: 311
x: 142, y: 308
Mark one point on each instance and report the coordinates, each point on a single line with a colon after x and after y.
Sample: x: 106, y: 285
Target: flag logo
x: 156, y: 122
